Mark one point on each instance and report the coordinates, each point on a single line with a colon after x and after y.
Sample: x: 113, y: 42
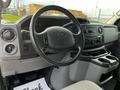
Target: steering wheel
x: 57, y: 37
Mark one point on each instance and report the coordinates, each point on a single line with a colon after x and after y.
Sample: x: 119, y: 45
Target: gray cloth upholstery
x: 83, y: 85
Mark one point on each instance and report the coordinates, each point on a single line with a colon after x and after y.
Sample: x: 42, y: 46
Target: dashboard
x: 95, y: 34
x: 16, y: 43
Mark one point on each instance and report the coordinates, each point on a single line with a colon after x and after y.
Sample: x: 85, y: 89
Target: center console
x: 94, y: 65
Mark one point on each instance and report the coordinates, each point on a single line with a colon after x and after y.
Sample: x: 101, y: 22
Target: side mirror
x: 4, y: 3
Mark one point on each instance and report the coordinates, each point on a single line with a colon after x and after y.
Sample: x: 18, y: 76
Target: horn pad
x: 60, y: 38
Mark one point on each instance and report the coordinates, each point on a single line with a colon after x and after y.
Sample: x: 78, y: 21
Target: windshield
x: 96, y: 10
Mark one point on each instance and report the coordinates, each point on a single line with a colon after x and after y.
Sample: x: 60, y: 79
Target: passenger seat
x: 83, y: 85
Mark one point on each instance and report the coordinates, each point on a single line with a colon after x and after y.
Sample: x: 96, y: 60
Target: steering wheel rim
x: 38, y: 48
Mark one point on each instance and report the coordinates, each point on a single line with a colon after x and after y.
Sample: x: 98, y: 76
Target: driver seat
x: 83, y: 85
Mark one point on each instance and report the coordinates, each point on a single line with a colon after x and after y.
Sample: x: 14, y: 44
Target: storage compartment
x: 103, y: 60
x: 113, y: 58
x: 95, y: 53
x: 105, y: 77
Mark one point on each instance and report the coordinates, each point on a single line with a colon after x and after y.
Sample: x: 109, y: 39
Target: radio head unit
x: 94, y: 35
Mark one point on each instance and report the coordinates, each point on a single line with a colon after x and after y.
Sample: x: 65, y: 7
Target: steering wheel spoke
x: 67, y: 24
x: 67, y: 57
x: 79, y: 39
x: 42, y: 39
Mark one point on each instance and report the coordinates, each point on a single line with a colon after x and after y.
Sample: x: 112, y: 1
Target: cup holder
x: 111, y: 57
x: 103, y: 60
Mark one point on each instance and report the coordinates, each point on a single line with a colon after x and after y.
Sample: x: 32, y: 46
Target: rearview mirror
x: 4, y: 3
